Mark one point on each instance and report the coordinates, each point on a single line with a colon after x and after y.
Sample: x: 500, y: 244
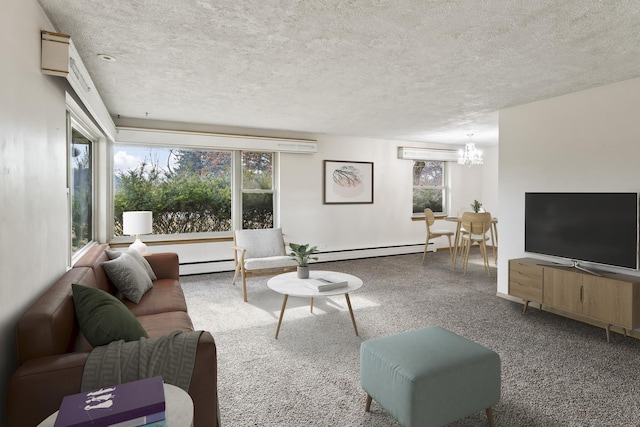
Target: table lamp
x: 136, y: 223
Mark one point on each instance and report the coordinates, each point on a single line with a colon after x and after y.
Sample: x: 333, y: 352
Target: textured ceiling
x: 417, y: 70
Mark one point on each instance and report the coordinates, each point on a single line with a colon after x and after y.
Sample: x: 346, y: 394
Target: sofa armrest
x: 47, y: 380
x: 165, y: 265
x: 44, y: 381
x: 204, y: 383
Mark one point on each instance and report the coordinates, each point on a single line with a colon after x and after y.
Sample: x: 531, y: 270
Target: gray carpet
x: 555, y: 371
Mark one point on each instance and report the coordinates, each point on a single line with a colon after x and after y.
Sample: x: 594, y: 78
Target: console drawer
x: 525, y: 280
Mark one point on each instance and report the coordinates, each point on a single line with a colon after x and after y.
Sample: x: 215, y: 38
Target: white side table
x: 179, y: 408
x: 288, y: 284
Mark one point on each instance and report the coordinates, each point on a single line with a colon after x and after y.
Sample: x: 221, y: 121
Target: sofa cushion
x: 103, y: 318
x: 161, y: 324
x: 165, y: 295
x: 269, y: 262
x: 128, y: 276
x: 138, y: 257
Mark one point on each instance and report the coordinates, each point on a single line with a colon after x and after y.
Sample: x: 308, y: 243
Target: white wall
x: 32, y: 166
x: 584, y: 141
x: 387, y: 221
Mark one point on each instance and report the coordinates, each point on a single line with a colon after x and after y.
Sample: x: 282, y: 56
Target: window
x: 190, y: 191
x: 257, y: 190
x: 429, y: 189
x: 80, y: 185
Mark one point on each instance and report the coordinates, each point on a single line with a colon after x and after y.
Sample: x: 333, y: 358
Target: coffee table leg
x: 353, y: 319
x: 311, y: 304
x: 284, y: 304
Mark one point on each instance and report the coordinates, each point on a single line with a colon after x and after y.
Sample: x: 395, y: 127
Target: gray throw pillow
x: 103, y: 318
x: 138, y: 257
x: 128, y: 276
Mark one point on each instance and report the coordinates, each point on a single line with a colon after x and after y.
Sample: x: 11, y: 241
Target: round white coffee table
x: 288, y: 284
x: 179, y: 408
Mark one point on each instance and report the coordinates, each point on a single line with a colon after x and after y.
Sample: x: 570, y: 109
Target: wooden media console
x: 607, y: 298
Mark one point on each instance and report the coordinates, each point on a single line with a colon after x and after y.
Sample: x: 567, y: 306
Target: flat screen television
x: 599, y: 228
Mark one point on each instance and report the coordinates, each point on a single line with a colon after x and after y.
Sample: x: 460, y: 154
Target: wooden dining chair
x: 475, y: 227
x: 430, y: 219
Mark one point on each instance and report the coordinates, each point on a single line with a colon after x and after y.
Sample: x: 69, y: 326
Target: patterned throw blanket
x: 172, y: 356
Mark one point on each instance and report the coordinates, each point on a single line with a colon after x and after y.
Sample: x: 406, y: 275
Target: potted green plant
x: 302, y: 254
x: 476, y: 205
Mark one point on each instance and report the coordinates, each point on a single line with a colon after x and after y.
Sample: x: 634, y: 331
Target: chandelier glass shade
x: 470, y: 155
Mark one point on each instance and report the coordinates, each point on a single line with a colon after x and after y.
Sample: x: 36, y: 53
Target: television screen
x: 594, y: 227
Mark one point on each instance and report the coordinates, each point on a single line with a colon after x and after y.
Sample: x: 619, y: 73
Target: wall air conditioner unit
x: 142, y: 136
x: 410, y: 153
x: 59, y: 57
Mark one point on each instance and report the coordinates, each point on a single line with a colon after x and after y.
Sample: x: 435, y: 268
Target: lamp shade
x: 137, y: 222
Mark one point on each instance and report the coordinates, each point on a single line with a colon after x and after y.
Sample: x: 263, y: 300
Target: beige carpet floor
x: 555, y: 371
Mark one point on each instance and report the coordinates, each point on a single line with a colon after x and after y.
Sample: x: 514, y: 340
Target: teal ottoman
x: 429, y: 376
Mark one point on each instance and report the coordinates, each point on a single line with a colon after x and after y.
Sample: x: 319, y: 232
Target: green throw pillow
x: 128, y: 276
x: 103, y: 318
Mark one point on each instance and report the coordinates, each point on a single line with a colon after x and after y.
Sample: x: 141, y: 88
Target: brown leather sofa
x: 52, y: 351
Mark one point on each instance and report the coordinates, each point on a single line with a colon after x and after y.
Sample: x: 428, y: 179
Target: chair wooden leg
x: 483, y: 250
x: 467, y: 249
x: 368, y: 404
x: 424, y: 255
x: 235, y: 276
x: 495, y: 243
x: 450, y: 250
x: 490, y: 418
x: 244, y: 287
x: 457, y: 240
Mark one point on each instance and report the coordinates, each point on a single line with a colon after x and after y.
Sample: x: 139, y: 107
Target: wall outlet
x: 322, y: 246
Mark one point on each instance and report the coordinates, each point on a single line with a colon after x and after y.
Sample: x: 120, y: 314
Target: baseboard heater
x: 219, y: 266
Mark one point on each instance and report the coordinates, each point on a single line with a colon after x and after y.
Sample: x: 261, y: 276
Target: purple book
x: 111, y: 405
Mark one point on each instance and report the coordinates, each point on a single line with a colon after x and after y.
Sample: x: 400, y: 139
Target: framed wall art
x: 347, y: 182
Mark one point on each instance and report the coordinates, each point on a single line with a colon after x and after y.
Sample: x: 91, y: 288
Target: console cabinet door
x: 563, y: 289
x: 608, y: 300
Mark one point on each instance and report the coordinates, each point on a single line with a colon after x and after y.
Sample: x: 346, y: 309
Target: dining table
x: 456, y: 243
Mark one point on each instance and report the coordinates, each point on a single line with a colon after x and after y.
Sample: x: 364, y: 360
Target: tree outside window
x: 428, y: 186
x: 190, y: 190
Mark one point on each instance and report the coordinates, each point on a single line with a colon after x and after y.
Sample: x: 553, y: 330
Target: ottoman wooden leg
x: 492, y: 422
x: 368, y: 405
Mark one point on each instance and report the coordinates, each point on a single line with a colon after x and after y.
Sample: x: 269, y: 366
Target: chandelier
x: 470, y: 155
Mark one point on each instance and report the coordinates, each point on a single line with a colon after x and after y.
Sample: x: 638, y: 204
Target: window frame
x: 444, y: 188
x: 77, y: 120
x: 243, y: 190
x: 236, y: 192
